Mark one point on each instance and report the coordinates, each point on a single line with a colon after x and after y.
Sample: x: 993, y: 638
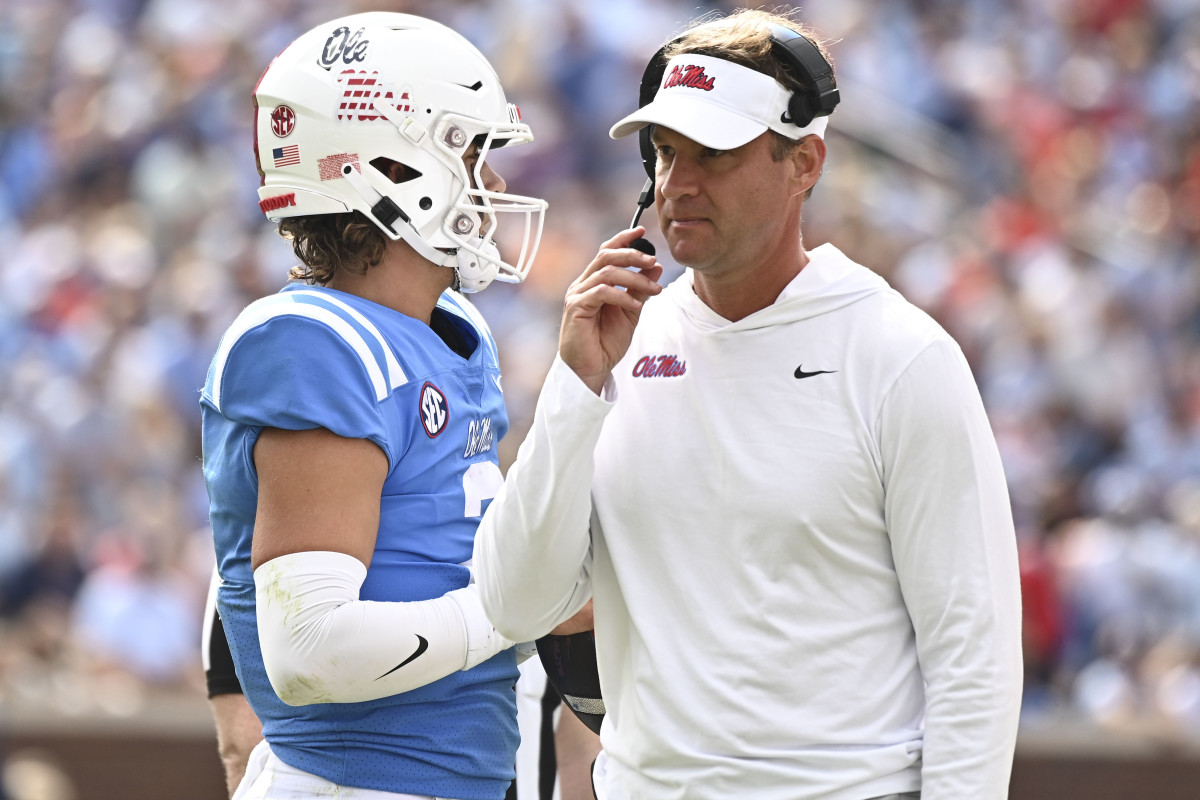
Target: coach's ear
x: 808, y: 160
x: 570, y: 664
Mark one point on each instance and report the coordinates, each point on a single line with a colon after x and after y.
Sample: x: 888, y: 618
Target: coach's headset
x: 800, y: 57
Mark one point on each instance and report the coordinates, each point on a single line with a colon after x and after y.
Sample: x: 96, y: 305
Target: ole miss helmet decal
x: 435, y: 413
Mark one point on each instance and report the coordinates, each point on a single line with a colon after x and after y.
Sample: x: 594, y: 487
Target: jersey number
x: 481, y: 481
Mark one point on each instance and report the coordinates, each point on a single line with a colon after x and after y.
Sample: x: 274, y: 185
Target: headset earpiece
x: 649, y: 157
x: 811, y: 69
x: 651, y: 79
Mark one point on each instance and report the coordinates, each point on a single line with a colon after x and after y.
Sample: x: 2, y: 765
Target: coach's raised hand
x: 603, y: 306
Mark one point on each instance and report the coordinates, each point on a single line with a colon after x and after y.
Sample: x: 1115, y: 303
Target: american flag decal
x: 286, y: 156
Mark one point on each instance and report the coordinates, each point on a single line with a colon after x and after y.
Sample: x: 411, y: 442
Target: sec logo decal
x: 435, y: 413
x: 283, y: 121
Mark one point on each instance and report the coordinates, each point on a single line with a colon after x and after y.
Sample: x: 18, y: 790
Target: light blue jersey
x: 312, y: 357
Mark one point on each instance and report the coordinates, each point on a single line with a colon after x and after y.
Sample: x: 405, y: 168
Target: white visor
x: 718, y: 104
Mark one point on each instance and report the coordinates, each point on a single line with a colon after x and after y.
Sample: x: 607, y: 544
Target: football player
x: 350, y: 421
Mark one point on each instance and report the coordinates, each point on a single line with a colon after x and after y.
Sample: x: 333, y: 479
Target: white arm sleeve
x: 951, y: 528
x: 532, y: 550
x: 321, y: 644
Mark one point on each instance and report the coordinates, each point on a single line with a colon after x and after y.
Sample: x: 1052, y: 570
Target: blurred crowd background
x: 1028, y: 171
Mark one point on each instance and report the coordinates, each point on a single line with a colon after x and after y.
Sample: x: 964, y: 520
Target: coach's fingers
x: 624, y: 258
x: 624, y: 238
x: 617, y: 252
x: 645, y: 292
x: 594, y: 299
x: 639, y: 283
x: 617, y: 275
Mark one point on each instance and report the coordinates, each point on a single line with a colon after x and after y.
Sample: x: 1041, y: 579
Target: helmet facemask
x: 473, y: 219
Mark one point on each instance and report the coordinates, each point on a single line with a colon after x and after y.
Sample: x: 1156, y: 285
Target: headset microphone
x: 645, y: 200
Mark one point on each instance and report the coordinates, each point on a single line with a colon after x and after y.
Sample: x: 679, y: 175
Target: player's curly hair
x: 329, y: 243
x: 744, y: 37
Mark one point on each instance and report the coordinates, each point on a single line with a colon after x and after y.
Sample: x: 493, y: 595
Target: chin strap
x: 473, y: 271
x: 393, y: 218
x: 476, y: 271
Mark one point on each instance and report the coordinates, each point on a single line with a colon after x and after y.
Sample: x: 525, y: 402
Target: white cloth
x: 599, y: 773
x: 805, y: 584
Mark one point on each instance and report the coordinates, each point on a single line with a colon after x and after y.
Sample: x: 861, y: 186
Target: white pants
x: 268, y: 778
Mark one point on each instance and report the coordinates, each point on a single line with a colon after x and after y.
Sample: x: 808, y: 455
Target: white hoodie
x: 801, y: 550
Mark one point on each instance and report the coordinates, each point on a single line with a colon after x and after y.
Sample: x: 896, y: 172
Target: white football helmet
x: 401, y: 88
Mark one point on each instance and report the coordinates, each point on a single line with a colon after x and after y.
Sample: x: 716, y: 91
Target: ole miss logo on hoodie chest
x: 659, y: 366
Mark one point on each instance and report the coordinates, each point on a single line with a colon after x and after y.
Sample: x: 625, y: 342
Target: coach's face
x: 724, y: 211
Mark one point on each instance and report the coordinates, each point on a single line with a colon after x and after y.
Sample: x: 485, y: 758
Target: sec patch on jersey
x: 435, y: 412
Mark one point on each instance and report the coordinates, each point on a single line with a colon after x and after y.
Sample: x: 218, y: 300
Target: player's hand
x: 603, y: 306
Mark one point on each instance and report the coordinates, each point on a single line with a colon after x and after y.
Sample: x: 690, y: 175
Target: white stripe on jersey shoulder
x: 468, y: 309
x: 283, y: 304
x: 396, y: 376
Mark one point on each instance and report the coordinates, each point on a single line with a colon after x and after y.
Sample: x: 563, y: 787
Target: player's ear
x: 808, y: 159
x: 394, y: 170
